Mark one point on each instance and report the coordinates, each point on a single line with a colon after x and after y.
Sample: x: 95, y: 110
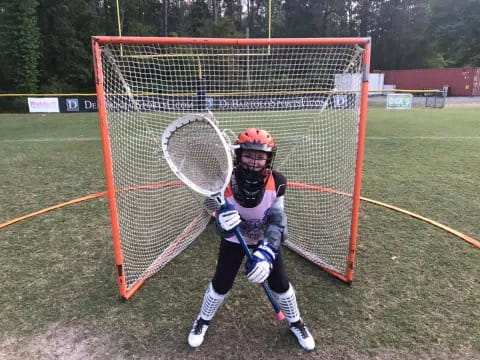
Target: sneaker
x: 305, y: 339
x: 195, y: 338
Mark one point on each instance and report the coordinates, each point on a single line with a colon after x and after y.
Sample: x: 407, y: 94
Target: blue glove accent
x: 263, y: 252
x: 225, y: 207
x: 267, y: 250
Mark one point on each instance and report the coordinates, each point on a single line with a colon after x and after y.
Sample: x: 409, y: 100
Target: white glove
x: 228, y: 220
x: 260, y: 272
x: 259, y: 266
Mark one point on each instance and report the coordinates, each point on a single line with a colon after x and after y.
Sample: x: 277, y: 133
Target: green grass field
x: 416, y: 289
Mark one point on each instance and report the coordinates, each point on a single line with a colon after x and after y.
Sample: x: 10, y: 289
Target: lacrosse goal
x: 310, y: 94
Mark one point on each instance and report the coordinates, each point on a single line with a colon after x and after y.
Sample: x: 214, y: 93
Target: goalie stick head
x: 198, y: 154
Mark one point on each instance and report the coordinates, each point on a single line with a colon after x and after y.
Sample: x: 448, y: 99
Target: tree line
x: 45, y: 45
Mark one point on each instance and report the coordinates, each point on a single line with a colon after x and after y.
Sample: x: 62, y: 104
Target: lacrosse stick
x: 199, y: 155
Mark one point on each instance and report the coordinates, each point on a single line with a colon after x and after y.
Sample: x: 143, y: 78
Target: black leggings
x: 230, y: 256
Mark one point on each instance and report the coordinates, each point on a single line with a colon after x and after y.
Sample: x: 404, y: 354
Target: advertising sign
x: 78, y: 104
x: 155, y: 103
x: 399, y: 101
x: 43, y: 105
x: 238, y: 103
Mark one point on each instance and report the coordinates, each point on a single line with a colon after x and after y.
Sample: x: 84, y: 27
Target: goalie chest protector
x: 253, y: 223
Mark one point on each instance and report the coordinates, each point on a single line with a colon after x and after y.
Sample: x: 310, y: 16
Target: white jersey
x: 254, y: 222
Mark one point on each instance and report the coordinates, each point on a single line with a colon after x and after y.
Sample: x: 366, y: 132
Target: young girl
x: 256, y: 192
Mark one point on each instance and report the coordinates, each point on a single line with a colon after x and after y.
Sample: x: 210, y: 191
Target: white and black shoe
x: 195, y: 338
x: 305, y: 339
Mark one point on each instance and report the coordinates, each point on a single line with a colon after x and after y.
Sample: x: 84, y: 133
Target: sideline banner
x: 43, y: 105
x: 78, y: 104
x: 155, y: 103
x: 399, y: 101
x: 277, y: 102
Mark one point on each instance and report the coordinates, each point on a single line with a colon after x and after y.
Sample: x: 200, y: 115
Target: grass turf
x: 415, y: 293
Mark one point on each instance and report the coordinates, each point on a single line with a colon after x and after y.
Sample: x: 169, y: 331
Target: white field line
x: 74, y: 139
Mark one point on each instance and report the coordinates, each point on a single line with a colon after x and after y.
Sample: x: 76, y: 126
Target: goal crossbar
x: 229, y: 41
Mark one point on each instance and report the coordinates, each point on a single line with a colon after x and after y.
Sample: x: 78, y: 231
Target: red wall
x: 460, y: 80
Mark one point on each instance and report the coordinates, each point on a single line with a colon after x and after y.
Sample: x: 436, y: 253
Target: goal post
x: 310, y: 94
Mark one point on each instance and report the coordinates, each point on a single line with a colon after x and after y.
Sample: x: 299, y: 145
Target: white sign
x: 43, y: 105
x: 375, y: 83
x: 399, y: 101
x: 348, y: 82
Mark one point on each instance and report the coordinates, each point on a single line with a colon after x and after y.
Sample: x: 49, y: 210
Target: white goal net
x: 307, y: 94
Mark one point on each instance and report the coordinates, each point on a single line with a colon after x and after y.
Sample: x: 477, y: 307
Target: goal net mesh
x: 306, y: 96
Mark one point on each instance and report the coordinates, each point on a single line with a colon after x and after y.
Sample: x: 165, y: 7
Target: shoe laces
x: 300, y: 325
x: 198, y: 327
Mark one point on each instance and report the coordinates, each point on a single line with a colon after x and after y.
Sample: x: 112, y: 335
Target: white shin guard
x: 288, y: 304
x: 211, y: 302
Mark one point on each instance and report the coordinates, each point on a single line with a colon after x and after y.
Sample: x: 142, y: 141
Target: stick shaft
x: 275, y: 306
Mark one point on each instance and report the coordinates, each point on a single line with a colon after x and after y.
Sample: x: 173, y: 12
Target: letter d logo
x: 72, y: 105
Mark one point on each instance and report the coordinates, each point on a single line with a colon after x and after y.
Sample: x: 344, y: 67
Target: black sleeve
x: 280, y: 183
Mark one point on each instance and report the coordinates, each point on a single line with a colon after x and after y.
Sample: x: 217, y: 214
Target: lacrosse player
x: 256, y: 192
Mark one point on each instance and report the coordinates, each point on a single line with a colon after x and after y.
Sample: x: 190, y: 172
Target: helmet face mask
x: 257, y: 140
x: 253, y: 160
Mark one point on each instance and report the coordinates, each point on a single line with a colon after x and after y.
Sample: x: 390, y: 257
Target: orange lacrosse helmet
x: 256, y: 139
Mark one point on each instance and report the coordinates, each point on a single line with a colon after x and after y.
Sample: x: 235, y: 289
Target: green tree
x: 106, y: 17
x: 279, y: 18
x: 66, y: 46
x: 198, y: 18
x: 19, y: 46
x: 233, y: 10
x: 317, y: 18
x: 142, y: 18
x: 399, y: 29
x: 52, y: 37
x: 4, y: 30
x: 257, y: 18
x: 455, y: 31
x: 298, y: 19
